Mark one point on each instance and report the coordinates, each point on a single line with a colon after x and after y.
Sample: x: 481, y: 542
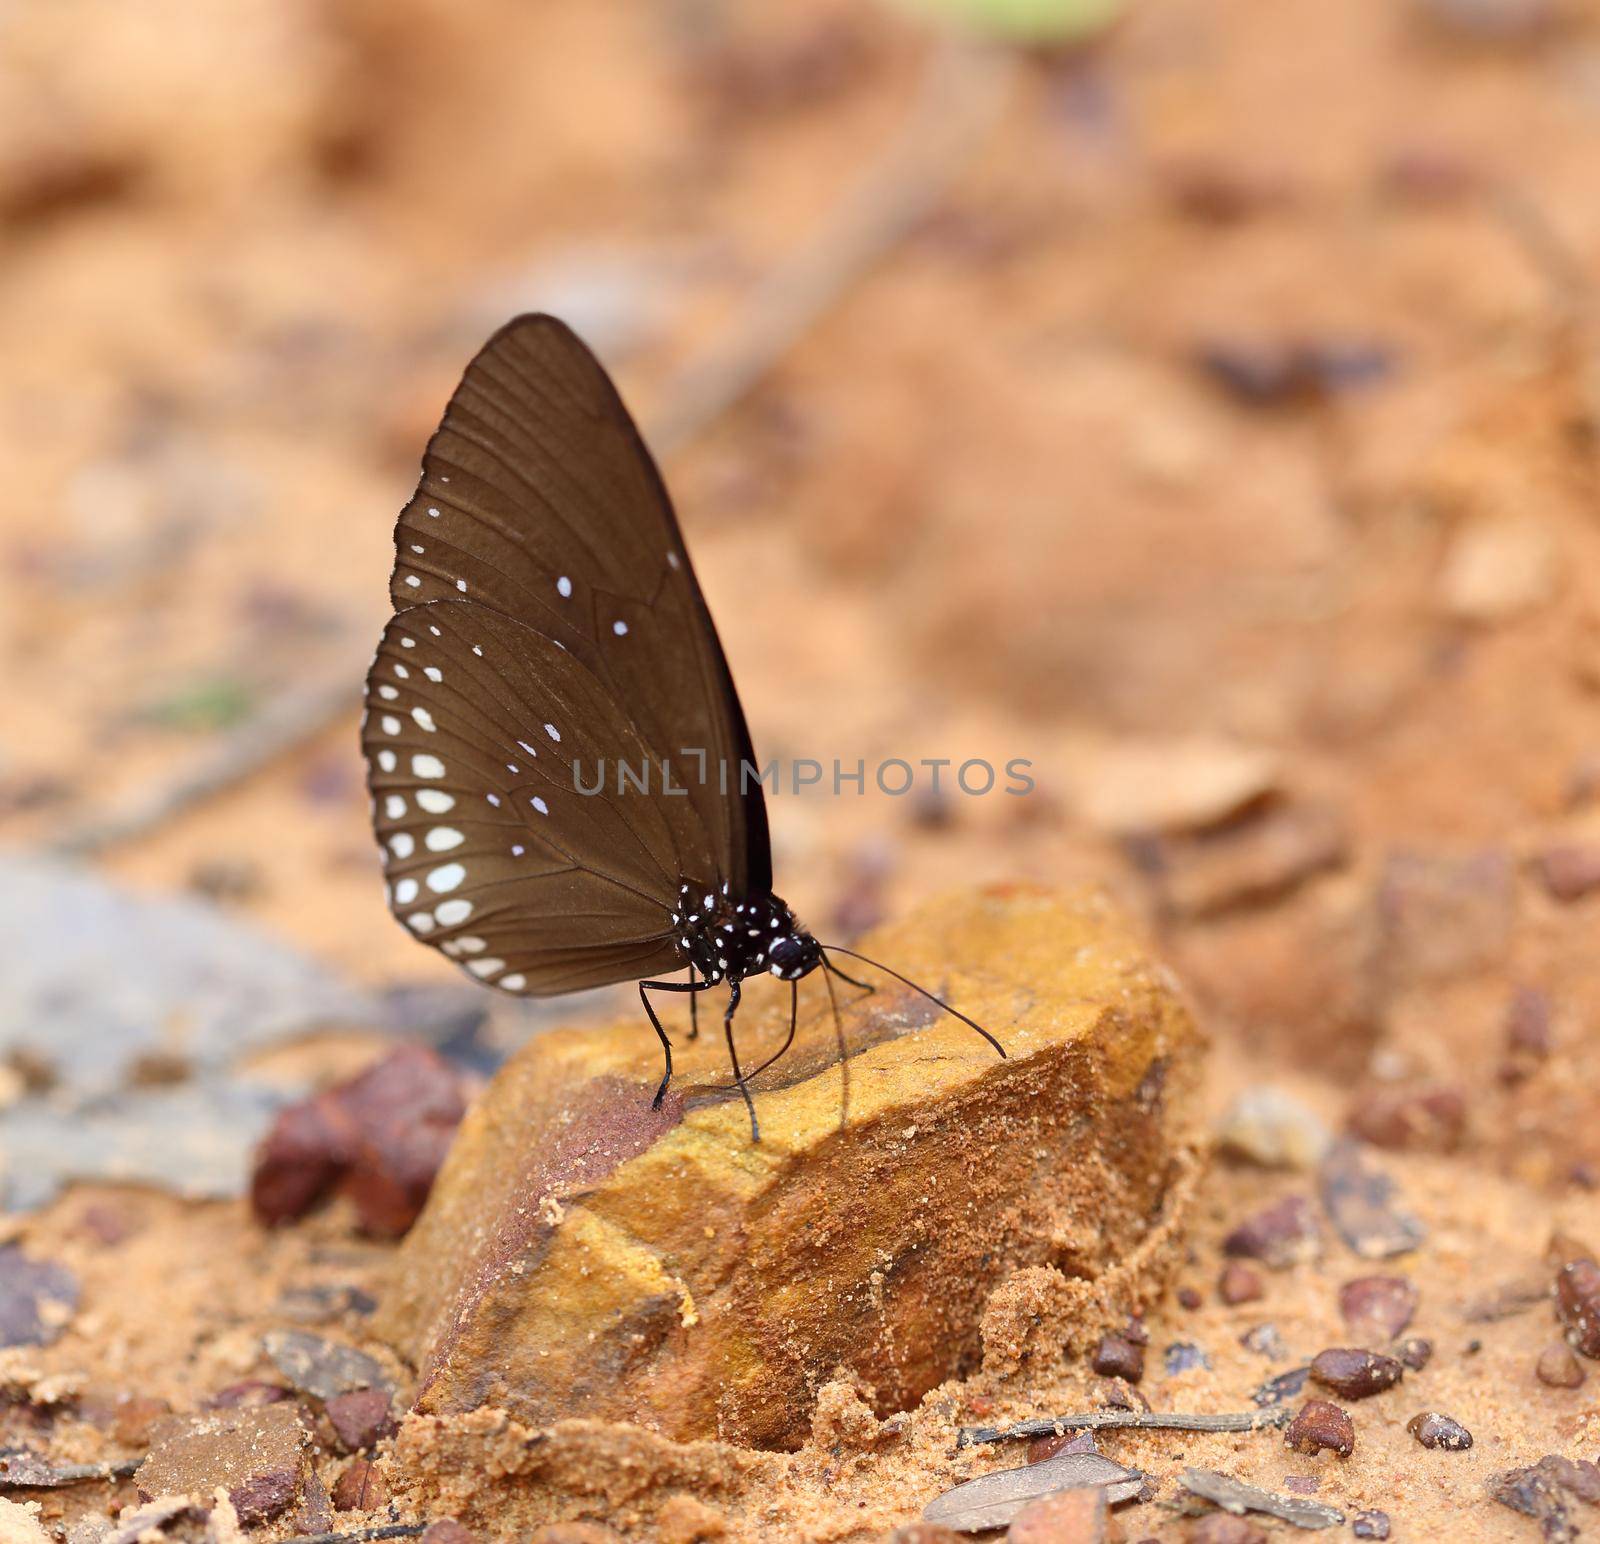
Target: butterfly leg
x: 661, y: 1034
x: 694, y: 1008
x: 733, y: 1056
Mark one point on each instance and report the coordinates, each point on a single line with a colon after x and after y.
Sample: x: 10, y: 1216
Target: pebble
x: 1559, y: 1368
x: 1443, y: 915
x: 360, y: 1418
x: 37, y: 1299
x: 1433, y: 1430
x: 1119, y: 1357
x: 1416, y: 1351
x: 1275, y: 373
x: 1224, y: 1528
x: 1431, y: 1118
x: 322, y: 1367
x: 1249, y: 864
x: 1370, y: 1525
x: 1041, y: 1448
x: 1578, y: 1305
x: 1285, y: 1386
x: 1190, y: 1298
x: 1264, y: 1340
x: 598, y: 1533
x: 1570, y: 870
x: 259, y: 1455
x: 1528, y: 1036
x: 1361, y: 1201
x: 1281, y: 1235
x: 447, y: 1531
x: 1240, y: 1284
x: 1321, y: 1426
x: 1272, y: 1129
x: 1496, y: 568
x: 1130, y: 787
x: 1377, y: 1308
x: 360, y: 1488
x: 378, y: 1137
x: 1067, y: 1517
x: 1354, y: 1373
x: 1182, y: 1355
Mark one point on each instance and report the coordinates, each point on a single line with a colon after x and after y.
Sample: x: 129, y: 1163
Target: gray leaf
x: 1360, y: 1199
x: 992, y: 1500
x: 1237, y: 1497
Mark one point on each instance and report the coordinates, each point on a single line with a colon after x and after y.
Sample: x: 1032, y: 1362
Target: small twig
x: 298, y: 715
x: 25, y: 1471
x: 961, y: 96
x: 361, y: 1535
x: 1111, y: 1420
x: 1567, y: 279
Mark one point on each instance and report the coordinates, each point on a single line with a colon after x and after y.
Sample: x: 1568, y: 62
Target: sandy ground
x: 1239, y: 394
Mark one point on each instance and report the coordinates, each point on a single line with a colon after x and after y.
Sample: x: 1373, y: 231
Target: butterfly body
x: 725, y: 939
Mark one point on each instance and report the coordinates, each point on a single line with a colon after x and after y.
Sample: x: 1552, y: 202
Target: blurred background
x: 1197, y: 398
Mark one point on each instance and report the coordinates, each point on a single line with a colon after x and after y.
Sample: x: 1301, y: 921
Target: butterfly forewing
x: 539, y: 501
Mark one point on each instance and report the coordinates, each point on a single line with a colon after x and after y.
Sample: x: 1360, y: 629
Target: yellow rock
x: 583, y: 1256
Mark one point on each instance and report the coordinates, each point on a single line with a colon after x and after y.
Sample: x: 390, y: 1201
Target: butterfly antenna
x: 907, y: 981
x: 866, y: 986
x: 788, y: 1040
x: 844, y: 1054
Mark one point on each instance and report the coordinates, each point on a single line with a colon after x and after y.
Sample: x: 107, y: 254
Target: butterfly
x: 548, y: 624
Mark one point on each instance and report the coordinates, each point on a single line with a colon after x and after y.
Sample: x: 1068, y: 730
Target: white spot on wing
x: 391, y: 725
x: 424, y: 719
x: 443, y: 838
x: 427, y: 766
x: 386, y: 761
x: 620, y: 629
x: 485, y: 968
x: 540, y: 805
x: 402, y: 845
x: 453, y: 913
x: 394, y: 807
x: 446, y: 878
x: 564, y: 587
x: 435, y: 801
x: 513, y: 983
x: 433, y: 673
x: 406, y: 891
x: 553, y: 732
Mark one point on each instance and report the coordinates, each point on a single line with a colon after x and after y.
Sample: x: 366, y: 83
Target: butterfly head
x: 793, y: 955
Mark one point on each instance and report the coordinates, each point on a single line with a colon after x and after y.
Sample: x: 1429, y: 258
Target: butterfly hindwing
x: 492, y: 853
